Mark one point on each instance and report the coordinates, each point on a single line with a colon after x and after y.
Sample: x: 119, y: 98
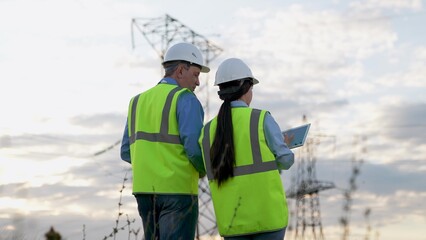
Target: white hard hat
x: 233, y: 69
x: 186, y: 52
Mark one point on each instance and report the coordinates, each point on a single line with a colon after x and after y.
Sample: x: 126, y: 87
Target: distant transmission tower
x: 305, y: 190
x: 161, y: 33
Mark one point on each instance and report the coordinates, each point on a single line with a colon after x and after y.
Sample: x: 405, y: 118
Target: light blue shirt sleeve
x: 125, y: 146
x: 275, y: 140
x: 190, y: 117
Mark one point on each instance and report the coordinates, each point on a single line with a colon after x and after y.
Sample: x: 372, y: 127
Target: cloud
x: 64, y: 186
x: 387, y: 4
x: 52, y: 147
x: 375, y: 178
x: 5, y: 141
x: 85, y: 136
x: 75, y: 77
x: 404, y: 122
x: 85, y: 194
x: 410, y: 72
x: 306, y: 53
x: 383, y: 133
x: 379, y: 187
x: 106, y: 121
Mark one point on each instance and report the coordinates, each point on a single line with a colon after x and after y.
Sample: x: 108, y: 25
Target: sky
x: 356, y: 69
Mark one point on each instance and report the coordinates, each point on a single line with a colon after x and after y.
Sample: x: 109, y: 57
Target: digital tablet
x: 300, y: 134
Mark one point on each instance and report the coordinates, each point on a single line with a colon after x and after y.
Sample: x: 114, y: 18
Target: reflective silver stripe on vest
x: 133, y: 117
x: 257, y: 166
x: 163, y: 136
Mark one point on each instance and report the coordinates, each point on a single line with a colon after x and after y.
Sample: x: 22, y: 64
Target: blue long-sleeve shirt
x: 274, y: 139
x: 190, y: 118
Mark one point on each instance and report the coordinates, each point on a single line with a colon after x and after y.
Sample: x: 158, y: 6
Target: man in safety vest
x: 243, y: 148
x: 161, y: 142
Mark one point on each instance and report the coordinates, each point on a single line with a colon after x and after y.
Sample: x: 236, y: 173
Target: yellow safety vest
x: 159, y: 162
x: 253, y: 201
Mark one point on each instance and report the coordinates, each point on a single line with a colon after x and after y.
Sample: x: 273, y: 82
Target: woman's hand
x: 288, y: 139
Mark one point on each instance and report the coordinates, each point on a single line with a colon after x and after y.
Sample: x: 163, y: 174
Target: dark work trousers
x: 167, y: 217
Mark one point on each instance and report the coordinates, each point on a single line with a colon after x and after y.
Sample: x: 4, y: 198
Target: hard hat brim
x: 205, y: 69
x: 255, y: 81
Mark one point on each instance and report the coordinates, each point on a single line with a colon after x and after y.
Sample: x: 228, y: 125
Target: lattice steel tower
x: 161, y: 33
x: 305, y: 191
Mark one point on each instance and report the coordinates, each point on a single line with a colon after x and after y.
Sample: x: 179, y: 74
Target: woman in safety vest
x: 243, y: 148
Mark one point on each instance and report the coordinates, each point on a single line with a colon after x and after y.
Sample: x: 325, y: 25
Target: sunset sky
x: 356, y: 69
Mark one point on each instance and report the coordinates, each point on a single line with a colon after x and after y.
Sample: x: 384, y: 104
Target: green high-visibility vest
x: 159, y: 162
x: 253, y: 201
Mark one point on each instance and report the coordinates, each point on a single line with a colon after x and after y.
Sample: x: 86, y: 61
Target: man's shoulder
x: 186, y: 94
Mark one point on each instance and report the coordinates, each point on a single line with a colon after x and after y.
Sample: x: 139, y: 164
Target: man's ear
x: 179, y: 70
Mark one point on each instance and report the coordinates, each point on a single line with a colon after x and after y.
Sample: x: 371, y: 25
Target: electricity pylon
x: 306, y: 192
x: 161, y: 33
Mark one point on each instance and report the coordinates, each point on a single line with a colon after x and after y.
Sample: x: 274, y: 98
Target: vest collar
x: 168, y: 80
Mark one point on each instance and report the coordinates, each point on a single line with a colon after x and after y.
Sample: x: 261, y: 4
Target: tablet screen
x: 300, y: 134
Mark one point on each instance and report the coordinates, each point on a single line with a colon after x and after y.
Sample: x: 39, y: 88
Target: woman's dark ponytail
x: 222, y: 152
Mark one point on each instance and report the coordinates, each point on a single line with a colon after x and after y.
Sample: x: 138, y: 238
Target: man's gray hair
x: 170, y: 67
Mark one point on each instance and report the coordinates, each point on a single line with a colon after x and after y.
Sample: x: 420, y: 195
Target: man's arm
x: 125, y: 146
x: 190, y: 117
